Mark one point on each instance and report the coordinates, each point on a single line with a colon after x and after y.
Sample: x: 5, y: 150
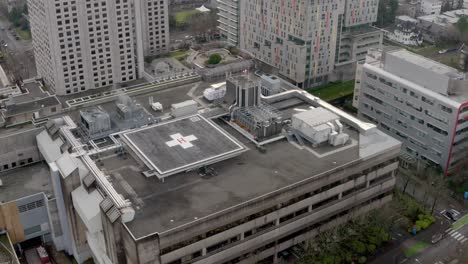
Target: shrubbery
x: 423, y: 222
x: 416, y: 213
x: 214, y: 59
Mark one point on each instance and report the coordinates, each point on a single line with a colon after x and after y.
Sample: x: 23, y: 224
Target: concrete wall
x: 64, y: 240
x: 131, y: 254
x: 310, y: 234
x: 281, y: 229
x: 241, y: 245
x: 19, y: 149
x: 9, y: 220
x: 416, y: 73
x: 34, y: 215
x: 55, y: 225
x: 27, y: 117
x: 81, y: 251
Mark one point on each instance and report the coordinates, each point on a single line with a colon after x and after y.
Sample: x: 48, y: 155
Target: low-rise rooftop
x: 446, y: 18
x: 25, y: 181
x: 190, y: 195
x: 430, y: 77
x: 31, y: 106
x: 432, y: 65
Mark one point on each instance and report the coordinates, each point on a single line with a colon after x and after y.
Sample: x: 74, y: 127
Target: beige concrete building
x: 308, y: 42
x: 154, y: 20
x: 208, y: 198
x: 86, y: 45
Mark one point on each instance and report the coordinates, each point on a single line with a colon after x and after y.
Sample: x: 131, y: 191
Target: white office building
x: 430, y: 7
x: 419, y: 101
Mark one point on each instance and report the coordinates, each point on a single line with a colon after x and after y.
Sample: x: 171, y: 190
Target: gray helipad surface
x: 182, y: 144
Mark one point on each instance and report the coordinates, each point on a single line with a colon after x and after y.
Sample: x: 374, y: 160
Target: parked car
x: 43, y: 255
x: 436, y: 238
x: 452, y: 215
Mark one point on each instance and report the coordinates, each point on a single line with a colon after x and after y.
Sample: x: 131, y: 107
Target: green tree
x: 15, y: 16
x: 357, y: 247
x: 437, y: 186
x: 462, y: 28
x: 362, y: 260
x: 172, y: 21
x: 387, y: 12
x: 446, y: 6
x: 203, y: 24
x: 214, y: 59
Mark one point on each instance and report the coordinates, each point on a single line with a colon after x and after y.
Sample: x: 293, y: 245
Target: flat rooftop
x: 31, y: 106
x: 187, y: 196
x: 18, y: 140
x: 449, y: 17
x: 25, y: 181
x: 433, y: 67
x: 182, y: 144
x: 422, y: 61
x: 407, y: 19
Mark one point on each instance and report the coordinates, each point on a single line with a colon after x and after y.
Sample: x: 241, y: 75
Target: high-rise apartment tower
x: 83, y: 45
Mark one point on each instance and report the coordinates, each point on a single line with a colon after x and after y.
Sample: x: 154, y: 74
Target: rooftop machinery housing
x: 202, y: 190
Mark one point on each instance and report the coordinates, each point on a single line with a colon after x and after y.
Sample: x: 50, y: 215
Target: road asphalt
x: 449, y: 250
x: 19, y: 51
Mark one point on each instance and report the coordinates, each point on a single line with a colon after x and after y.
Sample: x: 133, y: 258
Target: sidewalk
x: 400, y: 251
x: 395, y: 254
x: 415, y: 189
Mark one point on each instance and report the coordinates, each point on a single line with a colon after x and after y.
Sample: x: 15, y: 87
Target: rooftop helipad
x: 181, y: 145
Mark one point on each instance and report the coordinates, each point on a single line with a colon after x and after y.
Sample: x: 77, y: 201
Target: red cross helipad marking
x: 179, y: 140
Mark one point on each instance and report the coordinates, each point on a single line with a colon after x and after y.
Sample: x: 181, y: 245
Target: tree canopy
x: 17, y: 18
x: 214, y: 59
x: 387, y: 12
x: 350, y: 243
x: 462, y: 27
